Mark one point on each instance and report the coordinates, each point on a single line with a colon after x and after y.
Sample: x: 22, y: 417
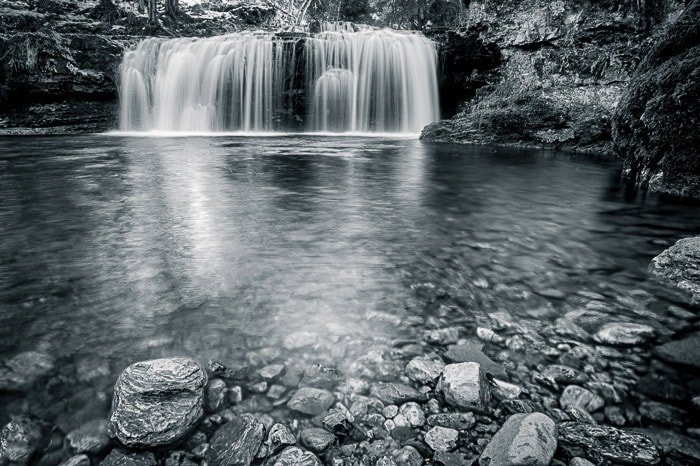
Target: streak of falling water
x: 360, y: 81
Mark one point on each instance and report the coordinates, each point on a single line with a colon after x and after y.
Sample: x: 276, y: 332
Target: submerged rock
x: 685, y: 351
x: 311, y: 401
x: 91, y: 438
x: 25, y: 369
x: 524, y: 439
x: 605, y: 443
x: 624, y: 334
x: 395, y: 393
x: 157, y: 402
x: 424, y: 370
x: 662, y: 413
x: 20, y: 440
x: 679, y: 266
x: 237, y: 442
x: 579, y: 397
x: 464, y: 385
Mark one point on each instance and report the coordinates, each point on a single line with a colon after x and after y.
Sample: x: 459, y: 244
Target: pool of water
x: 115, y: 249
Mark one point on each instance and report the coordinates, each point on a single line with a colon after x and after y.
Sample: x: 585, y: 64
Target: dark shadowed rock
x: 119, y: 457
x: 237, y: 442
x: 157, y: 402
x: 655, y: 127
x: 395, y: 393
x: 524, y: 439
x: 294, y: 456
x: 90, y: 438
x: 685, y: 351
x: 663, y: 413
x: 464, y: 385
x: 680, y: 448
x: 605, y: 443
x: 312, y: 401
x: 679, y: 267
x: 23, y: 370
x: 21, y: 439
x: 77, y: 460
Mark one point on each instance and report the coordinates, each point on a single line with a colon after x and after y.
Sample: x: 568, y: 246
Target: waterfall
x: 339, y: 80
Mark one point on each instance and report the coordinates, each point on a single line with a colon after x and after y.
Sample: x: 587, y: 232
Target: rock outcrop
x: 656, y: 124
x: 157, y: 402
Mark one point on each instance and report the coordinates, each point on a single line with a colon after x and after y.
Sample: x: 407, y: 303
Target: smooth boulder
x: 523, y: 440
x: 157, y: 402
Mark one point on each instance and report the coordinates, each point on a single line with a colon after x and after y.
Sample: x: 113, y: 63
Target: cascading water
x: 349, y: 81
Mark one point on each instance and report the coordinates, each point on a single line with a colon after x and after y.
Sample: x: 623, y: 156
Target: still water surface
x: 115, y: 249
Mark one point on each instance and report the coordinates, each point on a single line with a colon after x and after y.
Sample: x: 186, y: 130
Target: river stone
x: 316, y: 439
x: 471, y: 351
x: 157, y: 402
x: 662, y: 413
x: 24, y: 370
x: 624, y: 334
x: 77, y: 460
x: 215, y: 395
x: 90, y: 438
x: 681, y: 448
x: 578, y: 461
x: 459, y: 421
x: 294, y: 456
x: 524, y: 439
x: 413, y: 413
x: 564, y: 374
x: 679, y: 266
x: 237, y: 442
x: 119, y: 457
x: 395, y: 393
x: 441, y: 438
x: 408, y: 456
x: 279, y: 437
x: 311, y: 401
x: 579, y: 397
x: 20, y: 440
x: 605, y: 443
x: 685, y: 351
x: 424, y: 370
x: 464, y: 385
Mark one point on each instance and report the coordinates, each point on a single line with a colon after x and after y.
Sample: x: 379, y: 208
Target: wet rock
x: 459, y: 421
x: 471, y: 351
x: 441, y: 438
x: 464, y: 385
x: 215, y: 395
x: 77, y: 460
x: 337, y: 422
x: 505, y: 390
x: 685, y: 351
x: 298, y: 340
x: 279, y: 438
x: 624, y: 334
x: 183, y: 458
x: 662, y: 387
x: 237, y: 442
x: 580, y: 462
x: 118, y: 457
x: 679, y: 267
x: 521, y: 406
x: 614, y: 415
x: 24, y: 370
x: 157, y: 402
x: 443, y: 336
x: 294, y: 456
x: 524, y: 439
x: 20, y: 440
x: 564, y: 374
x: 605, y: 390
x: 318, y: 375
x: 271, y: 372
x: 311, y: 401
x: 682, y: 449
x: 408, y: 456
x: 92, y: 438
x: 424, y: 370
x: 235, y: 373
x: 579, y: 397
x: 413, y: 414
x: 316, y: 439
x: 662, y: 413
x: 606, y: 443
x: 395, y: 393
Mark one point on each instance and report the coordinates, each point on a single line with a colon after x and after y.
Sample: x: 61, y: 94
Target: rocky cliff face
x: 565, y: 65
x: 656, y: 124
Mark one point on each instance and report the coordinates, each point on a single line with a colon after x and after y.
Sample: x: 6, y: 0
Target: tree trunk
x: 152, y: 12
x: 171, y: 8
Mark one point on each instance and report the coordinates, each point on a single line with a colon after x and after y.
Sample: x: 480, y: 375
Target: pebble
x: 215, y: 395
x: 624, y: 334
x: 441, y: 438
x: 464, y: 385
x: 459, y: 421
x: 579, y: 397
x: 413, y: 413
x: 316, y: 439
x: 394, y: 393
x: 22, y: 371
x: 238, y: 441
x: 118, y: 457
x: 662, y: 413
x: 77, y: 460
x: 91, y: 438
x: 279, y: 437
x: 20, y: 440
x: 294, y: 456
x: 424, y: 370
x: 524, y: 439
x: 271, y: 372
x: 312, y: 401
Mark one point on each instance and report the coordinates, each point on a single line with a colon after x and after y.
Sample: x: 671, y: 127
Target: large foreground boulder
x: 524, y: 439
x: 157, y: 402
x: 655, y: 127
x: 679, y: 267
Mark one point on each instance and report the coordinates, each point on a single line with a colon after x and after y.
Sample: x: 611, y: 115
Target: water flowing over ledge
x: 335, y: 81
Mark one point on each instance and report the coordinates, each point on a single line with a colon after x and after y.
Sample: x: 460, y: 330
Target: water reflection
x: 115, y: 249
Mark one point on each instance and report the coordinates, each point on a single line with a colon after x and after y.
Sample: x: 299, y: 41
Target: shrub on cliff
x: 655, y: 127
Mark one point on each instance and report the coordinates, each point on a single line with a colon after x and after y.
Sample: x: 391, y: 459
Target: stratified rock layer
x: 157, y: 402
x: 605, y: 443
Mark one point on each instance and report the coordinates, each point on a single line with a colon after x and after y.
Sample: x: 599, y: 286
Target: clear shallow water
x: 115, y: 249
